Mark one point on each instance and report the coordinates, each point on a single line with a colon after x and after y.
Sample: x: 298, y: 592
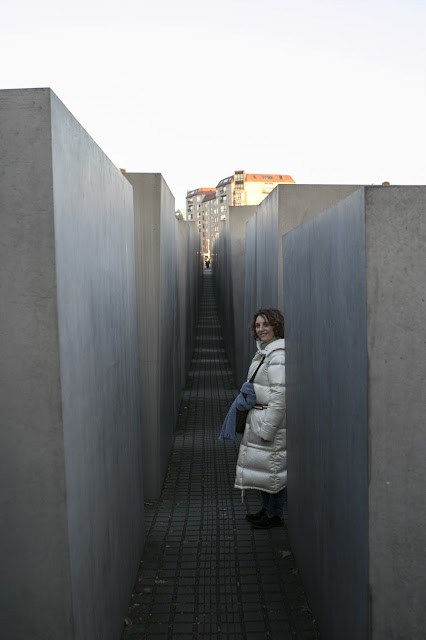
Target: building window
x: 239, y: 180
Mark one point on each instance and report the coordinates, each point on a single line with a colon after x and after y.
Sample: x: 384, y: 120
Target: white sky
x: 328, y: 92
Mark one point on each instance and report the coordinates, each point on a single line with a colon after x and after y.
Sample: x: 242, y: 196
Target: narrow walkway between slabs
x: 205, y: 573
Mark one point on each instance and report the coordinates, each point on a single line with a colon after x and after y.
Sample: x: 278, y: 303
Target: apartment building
x: 209, y: 205
x: 252, y: 188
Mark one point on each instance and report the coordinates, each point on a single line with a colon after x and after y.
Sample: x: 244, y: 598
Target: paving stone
x: 182, y: 629
x: 205, y: 573
x: 253, y: 615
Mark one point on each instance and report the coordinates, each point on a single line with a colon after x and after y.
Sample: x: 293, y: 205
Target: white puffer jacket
x: 262, y: 458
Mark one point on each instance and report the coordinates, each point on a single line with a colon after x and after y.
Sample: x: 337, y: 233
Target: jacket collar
x: 272, y: 346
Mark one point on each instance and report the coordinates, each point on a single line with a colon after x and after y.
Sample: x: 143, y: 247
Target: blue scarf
x: 245, y: 400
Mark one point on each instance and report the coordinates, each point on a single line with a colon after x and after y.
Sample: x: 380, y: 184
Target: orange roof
x: 270, y: 177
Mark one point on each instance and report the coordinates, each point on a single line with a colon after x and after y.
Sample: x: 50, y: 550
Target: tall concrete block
x: 237, y: 223
x: 220, y: 262
x: 354, y: 281
x: 70, y: 471
x: 285, y: 208
x: 396, y: 339
x: 267, y: 248
x: 229, y: 274
x: 157, y: 286
x: 183, y: 290
x: 195, y: 263
x: 189, y: 270
x: 229, y: 260
x: 184, y: 293
x: 250, y: 293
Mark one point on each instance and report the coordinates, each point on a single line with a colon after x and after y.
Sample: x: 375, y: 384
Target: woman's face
x: 264, y: 331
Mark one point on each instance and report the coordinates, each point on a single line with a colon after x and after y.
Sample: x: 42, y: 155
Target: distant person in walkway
x: 262, y: 458
x: 207, y: 263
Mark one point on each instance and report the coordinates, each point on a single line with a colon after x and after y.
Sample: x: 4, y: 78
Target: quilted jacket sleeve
x: 274, y: 417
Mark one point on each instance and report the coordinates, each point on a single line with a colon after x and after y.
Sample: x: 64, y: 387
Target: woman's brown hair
x: 275, y: 319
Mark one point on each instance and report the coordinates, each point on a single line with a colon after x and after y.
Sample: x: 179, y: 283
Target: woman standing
x: 262, y: 458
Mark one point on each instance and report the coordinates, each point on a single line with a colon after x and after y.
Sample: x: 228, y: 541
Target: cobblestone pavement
x: 204, y: 572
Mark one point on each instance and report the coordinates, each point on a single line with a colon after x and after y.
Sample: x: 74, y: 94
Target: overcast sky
x: 328, y: 92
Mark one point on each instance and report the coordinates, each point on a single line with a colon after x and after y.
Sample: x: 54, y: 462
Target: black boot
x: 252, y: 517
x: 267, y: 523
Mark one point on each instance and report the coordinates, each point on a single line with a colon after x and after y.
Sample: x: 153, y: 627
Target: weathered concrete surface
x: 259, y: 245
x: 326, y: 365
x: 189, y: 269
x: 354, y: 302
x: 71, y: 484
x: 285, y: 208
x: 220, y: 268
x: 35, y: 596
x: 238, y: 220
x: 229, y: 274
x: 250, y: 292
x: 396, y: 312
x: 159, y: 318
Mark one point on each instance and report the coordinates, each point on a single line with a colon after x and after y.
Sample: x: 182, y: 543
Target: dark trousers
x: 274, y: 502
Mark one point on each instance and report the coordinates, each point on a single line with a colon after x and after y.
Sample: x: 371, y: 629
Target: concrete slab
x: 286, y: 207
x: 229, y: 274
x: 326, y: 366
x: 71, y: 483
x: 159, y: 316
x: 354, y: 302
